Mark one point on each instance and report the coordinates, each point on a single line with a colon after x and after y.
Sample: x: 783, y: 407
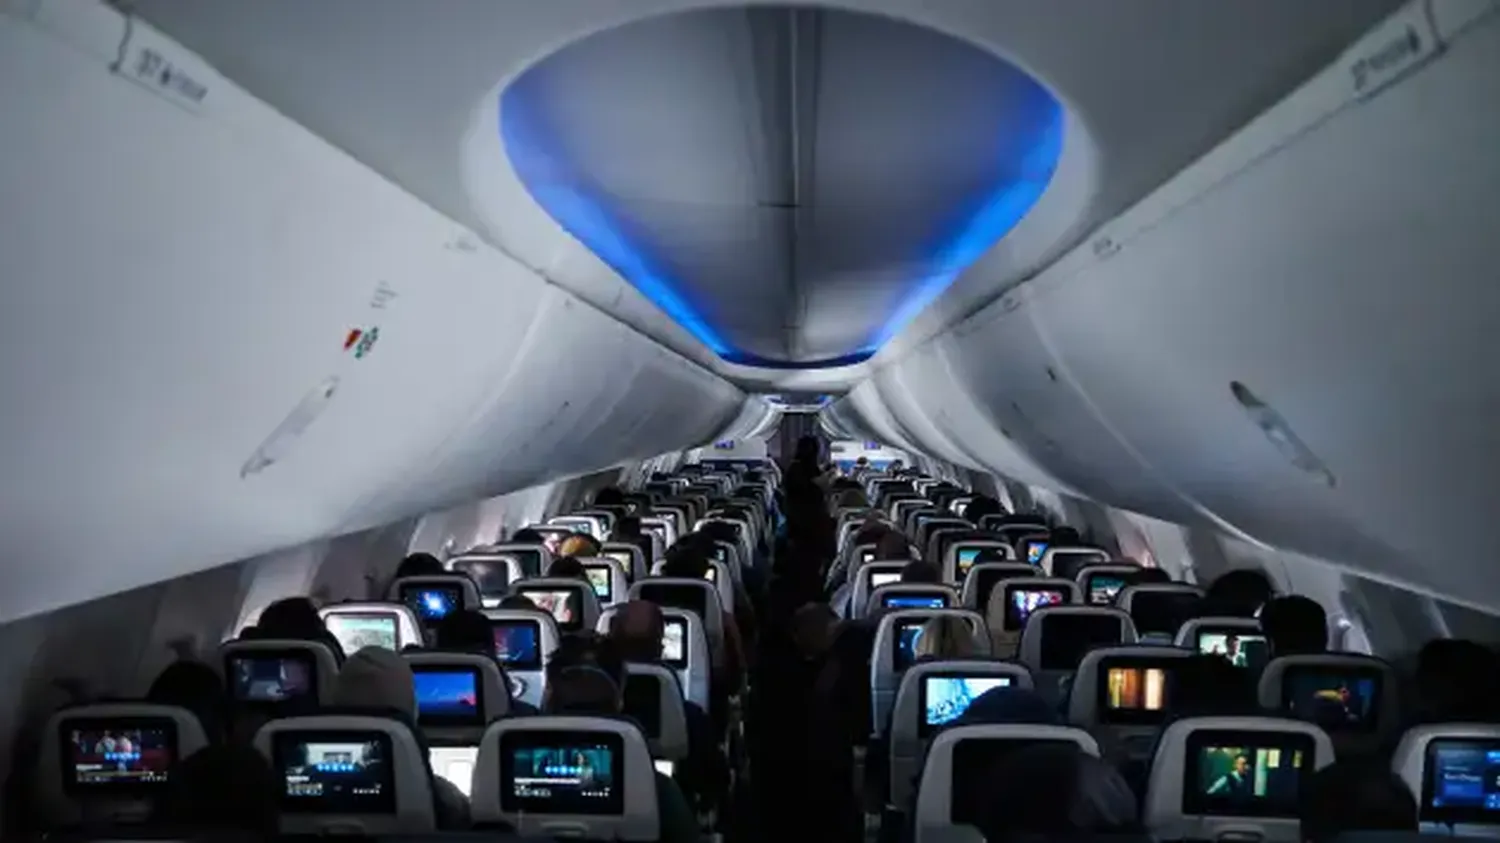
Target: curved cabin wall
x: 184, y: 269
x: 1336, y: 257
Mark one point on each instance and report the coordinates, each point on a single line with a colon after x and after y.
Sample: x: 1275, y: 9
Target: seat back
x: 107, y: 763
x: 1216, y: 778
x: 1066, y: 561
x: 1355, y: 698
x: 585, y: 777
x: 685, y: 651
x: 1213, y: 634
x: 1056, y: 638
x: 571, y: 602
x: 984, y: 576
x: 910, y: 596
x: 492, y: 573
x: 349, y: 774
x: 1160, y: 607
x: 704, y: 598
x: 964, y: 555
x: 1101, y: 584
x: 895, y: 638
x: 458, y: 694
x: 930, y: 696
x: 870, y: 576
x: 653, y: 697
x: 1124, y: 693
x: 589, y: 525
x: 607, y: 578
x: 533, y: 558
x: 369, y: 624
x: 270, y: 672
x: 1012, y: 602
x: 630, y: 556
x: 433, y: 597
x: 524, y: 641
x: 964, y: 754
x: 663, y: 532
x: 937, y: 534
x: 1439, y: 764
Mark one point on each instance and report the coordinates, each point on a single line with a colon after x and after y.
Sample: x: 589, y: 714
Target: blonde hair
x: 578, y: 545
x: 947, y: 637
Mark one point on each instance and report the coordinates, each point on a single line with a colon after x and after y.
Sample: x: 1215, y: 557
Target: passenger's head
x: 1354, y: 796
x: 921, y: 572
x: 516, y: 601
x: 1018, y: 706
x: 579, y: 544
x: 980, y: 506
x: 1238, y: 593
x: 609, y: 496
x: 293, y: 618
x: 567, y: 567
x: 197, y: 687
x: 627, y: 528
x: 808, y: 450
x: 1456, y: 680
x: 637, y: 628
x: 585, y: 676
x: 466, y: 631
x: 1054, y: 791
x: 1144, y: 576
x: 419, y: 565
x: 527, y: 535
x: 852, y: 498
x: 1295, y: 625
x: 1207, y: 685
x: 813, y: 628
x: 892, y: 547
x: 376, y: 678
x: 1064, y: 536
x: 223, y: 788
x: 688, y: 557
x: 946, y: 637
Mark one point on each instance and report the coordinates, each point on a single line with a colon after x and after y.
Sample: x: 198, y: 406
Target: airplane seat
x: 358, y: 625
x: 950, y: 792
x: 605, y: 515
x: 654, y: 699
x: 524, y: 641
x: 870, y: 576
x: 533, y: 557
x: 930, y: 696
x: 350, y: 774
x: 719, y: 574
x: 593, y: 526
x: 662, y: 530
x: 910, y: 596
x: 269, y: 678
x: 458, y: 695
x: 1014, y: 521
x: 962, y: 556
x: 729, y: 556
x: 982, y: 578
x: 1122, y: 695
x: 1013, y: 600
x: 933, y: 535
x: 1160, y: 607
x: 570, y: 602
x: 1100, y: 584
x: 1067, y: 561
x: 685, y: 651
x: 1214, y: 634
x: 1217, y: 778
x: 630, y: 555
x: 106, y: 764
x: 1450, y: 767
x: 1056, y: 638
x: 581, y: 777
x: 607, y: 578
x: 492, y: 572
x: 894, y: 651
x: 432, y: 597
x: 698, y: 596
x: 1355, y: 698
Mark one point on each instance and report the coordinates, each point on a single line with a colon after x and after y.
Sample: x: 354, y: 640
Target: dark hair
x: 688, y: 557
x: 1208, y: 685
x: 1238, y: 593
x: 921, y: 572
x: 1295, y: 625
x: 980, y: 506
x: 626, y: 527
x: 1053, y: 790
x: 1354, y: 796
x: 636, y: 628
x: 527, y: 535
x: 516, y: 601
x: 567, y: 566
x: 609, y: 496
x: 465, y: 631
x: 587, y: 649
x: 225, y: 787
x: 197, y: 687
x: 419, y: 565
x: 892, y: 547
x: 1457, y: 680
x: 1142, y: 576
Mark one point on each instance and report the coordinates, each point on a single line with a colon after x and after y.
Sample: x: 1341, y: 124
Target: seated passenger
x: 527, y: 535
x: 892, y: 547
x: 222, y: 789
x: 579, y: 544
x: 468, y: 631
x: 585, y: 678
x: 628, y: 530
x: 813, y: 629
x: 517, y: 601
x: 1295, y: 625
x: 609, y: 496
x: 295, y: 619
x: 980, y: 506
x: 1457, y: 680
x: 1000, y: 706
x: 921, y: 573
x: 1205, y: 685
x: 689, y: 558
x: 1354, y: 796
x: 1052, y: 791
x: 380, y: 682
x: 1145, y: 576
x: 197, y: 687
x: 1239, y: 593
x: 947, y: 637
x: 567, y: 567
x: 419, y: 565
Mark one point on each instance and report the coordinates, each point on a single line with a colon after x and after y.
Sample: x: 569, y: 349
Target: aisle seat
x: 893, y: 653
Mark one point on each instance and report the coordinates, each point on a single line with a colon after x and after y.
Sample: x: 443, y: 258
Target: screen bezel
x: 1199, y: 805
x: 924, y: 688
x: 1446, y: 815
x: 281, y: 742
x: 308, y: 660
x: 1012, y: 621
x: 510, y: 803
x: 1132, y: 716
x: 676, y: 664
x: 536, y: 629
x: 393, y: 617
x: 477, y: 719
x: 71, y: 784
x: 1370, y: 723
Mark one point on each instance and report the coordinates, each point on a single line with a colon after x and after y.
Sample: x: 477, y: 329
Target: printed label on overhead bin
x: 1403, y: 43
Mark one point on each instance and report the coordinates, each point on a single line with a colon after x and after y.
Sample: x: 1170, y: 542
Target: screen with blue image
x: 335, y: 772
x: 599, y: 579
x: 1035, y: 550
x: 907, y: 634
x: 1334, y: 698
x: 432, y: 602
x: 562, y: 773
x: 517, y: 644
x: 1103, y: 588
x: 967, y: 556
x: 946, y: 698
x: 914, y: 601
x: 447, y: 694
x: 1462, y: 781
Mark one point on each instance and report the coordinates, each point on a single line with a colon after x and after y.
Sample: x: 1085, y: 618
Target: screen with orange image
x: 1132, y: 691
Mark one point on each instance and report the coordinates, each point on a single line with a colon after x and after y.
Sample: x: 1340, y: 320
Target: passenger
x: 1206, y: 685
x: 1354, y: 796
x: 296, y: 619
x: 839, y: 721
x: 516, y: 601
x: 584, y: 678
x: 947, y: 637
x: 222, y: 789
x: 851, y: 499
x: 688, y: 559
x: 1295, y: 625
x: 1457, y: 680
x: 814, y: 627
x: 419, y: 565
x: 609, y: 496
x: 1052, y: 791
x: 892, y: 547
x: 527, y: 535
x: 468, y: 631
x: 628, y: 530
x: 1019, y: 706
x: 581, y: 545
x: 921, y: 573
x: 1064, y: 536
x: 567, y: 567
x: 197, y: 687
x: 380, y: 682
x: 1239, y: 593
x: 1144, y: 576
x: 980, y: 506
